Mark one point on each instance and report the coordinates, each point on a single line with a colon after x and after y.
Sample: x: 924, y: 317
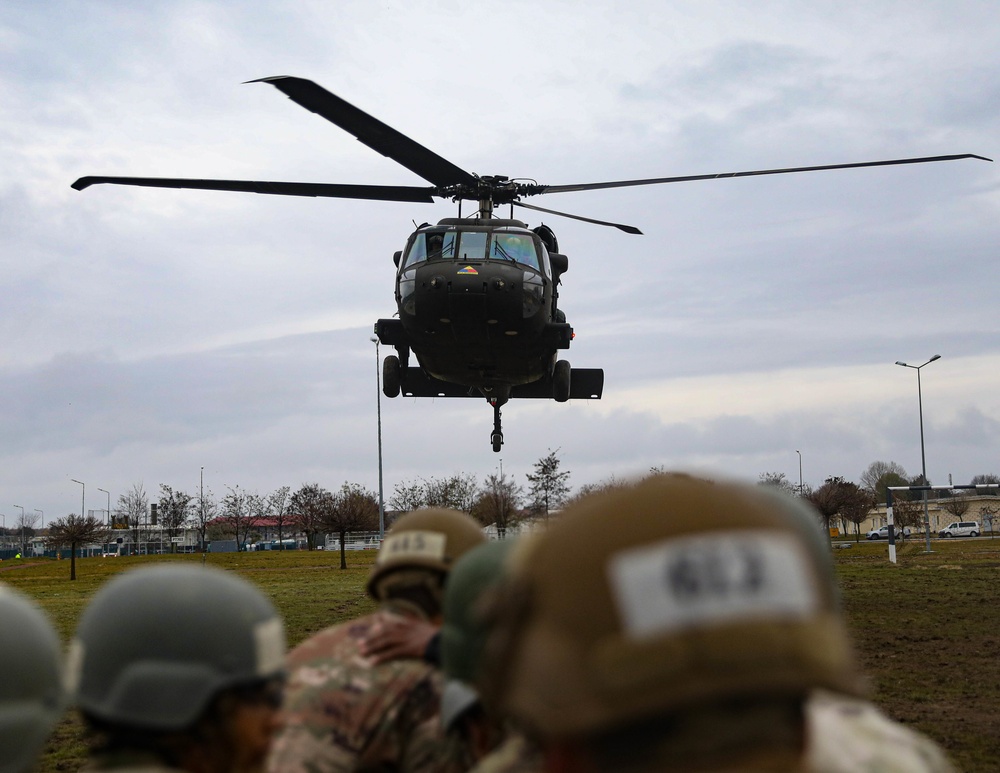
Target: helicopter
x: 477, y: 296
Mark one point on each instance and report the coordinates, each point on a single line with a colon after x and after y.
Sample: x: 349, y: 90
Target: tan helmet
x: 668, y: 593
x: 31, y: 694
x: 433, y: 538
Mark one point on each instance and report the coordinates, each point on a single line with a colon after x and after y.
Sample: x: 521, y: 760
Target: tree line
x: 312, y: 510
x: 853, y: 502
x: 497, y: 500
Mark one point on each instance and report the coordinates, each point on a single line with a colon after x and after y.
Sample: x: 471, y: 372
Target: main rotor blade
x: 328, y: 190
x: 629, y: 229
x: 724, y: 175
x: 372, y: 132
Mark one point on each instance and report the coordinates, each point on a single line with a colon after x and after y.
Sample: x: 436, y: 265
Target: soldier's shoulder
x: 515, y: 754
x: 849, y: 734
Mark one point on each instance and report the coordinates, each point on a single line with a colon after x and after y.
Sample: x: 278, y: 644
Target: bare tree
x: 25, y: 524
x: 203, y: 512
x: 457, y: 492
x: 407, y: 496
x: 989, y: 513
x: 957, y: 504
x: 307, y: 506
x: 549, y: 485
x: 277, y: 510
x: 74, y: 531
x: 175, y: 510
x: 855, y: 507
x: 608, y: 484
x: 878, y: 476
x: 241, y: 511
x: 828, y: 499
x: 776, y: 480
x: 907, y: 511
x: 131, y: 513
x: 351, y: 509
x: 498, y: 503
x: 978, y: 480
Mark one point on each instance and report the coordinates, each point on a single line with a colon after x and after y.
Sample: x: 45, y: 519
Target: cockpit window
x: 430, y: 245
x: 519, y: 248
x: 473, y: 245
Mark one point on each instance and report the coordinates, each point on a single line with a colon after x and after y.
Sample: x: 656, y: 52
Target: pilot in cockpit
x: 435, y: 241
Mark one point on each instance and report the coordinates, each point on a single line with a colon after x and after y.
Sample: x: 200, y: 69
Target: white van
x: 960, y: 529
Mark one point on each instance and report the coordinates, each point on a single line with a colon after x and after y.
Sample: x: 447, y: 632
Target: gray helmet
x: 31, y: 696
x: 157, y: 644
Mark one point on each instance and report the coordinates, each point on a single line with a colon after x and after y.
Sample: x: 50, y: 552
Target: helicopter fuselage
x: 476, y: 305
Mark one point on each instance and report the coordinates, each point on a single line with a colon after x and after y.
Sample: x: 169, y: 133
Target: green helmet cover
x: 465, y: 629
x: 157, y: 644
x: 31, y: 695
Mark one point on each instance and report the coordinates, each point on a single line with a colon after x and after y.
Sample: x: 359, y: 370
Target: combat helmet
x: 31, y: 695
x: 669, y: 593
x: 431, y: 539
x: 155, y: 645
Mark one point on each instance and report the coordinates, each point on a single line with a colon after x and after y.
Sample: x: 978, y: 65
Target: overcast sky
x: 149, y: 333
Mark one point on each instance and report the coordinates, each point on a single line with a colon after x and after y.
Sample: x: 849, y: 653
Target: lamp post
x: 923, y: 457
x: 109, y: 504
x: 201, y: 506
x: 378, y: 398
x: 83, y: 495
x: 800, y: 470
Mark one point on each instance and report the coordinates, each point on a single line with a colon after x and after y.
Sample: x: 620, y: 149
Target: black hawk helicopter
x: 477, y: 296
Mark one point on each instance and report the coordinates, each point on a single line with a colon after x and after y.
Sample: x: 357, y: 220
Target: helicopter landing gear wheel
x: 391, y: 376
x: 497, y: 437
x: 561, y: 381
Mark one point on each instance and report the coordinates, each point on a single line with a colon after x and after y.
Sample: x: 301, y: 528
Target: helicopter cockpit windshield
x: 516, y: 247
x: 513, y: 247
x: 431, y: 245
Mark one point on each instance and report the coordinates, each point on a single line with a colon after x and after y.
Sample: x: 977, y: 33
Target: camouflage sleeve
x: 308, y: 740
x: 423, y: 746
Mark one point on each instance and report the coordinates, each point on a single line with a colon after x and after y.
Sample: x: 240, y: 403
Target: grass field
x: 927, y: 629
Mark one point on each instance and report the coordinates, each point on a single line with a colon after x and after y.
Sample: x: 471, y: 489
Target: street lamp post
x: 923, y: 457
x: 109, y: 504
x: 201, y: 505
x: 83, y: 496
x: 378, y: 398
x: 800, y: 471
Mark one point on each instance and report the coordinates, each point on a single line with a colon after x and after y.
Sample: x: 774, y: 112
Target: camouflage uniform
x: 344, y: 713
x: 847, y: 735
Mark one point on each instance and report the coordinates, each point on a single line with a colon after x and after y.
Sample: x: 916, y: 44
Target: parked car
x: 883, y: 532
x: 960, y: 529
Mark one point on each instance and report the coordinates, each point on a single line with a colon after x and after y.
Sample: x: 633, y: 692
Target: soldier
x: 681, y: 624
x: 178, y: 668
x: 480, y: 727
x: 31, y: 695
x: 345, y: 711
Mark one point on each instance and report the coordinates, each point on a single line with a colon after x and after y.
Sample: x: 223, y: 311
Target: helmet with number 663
x: 669, y: 593
x: 433, y: 538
